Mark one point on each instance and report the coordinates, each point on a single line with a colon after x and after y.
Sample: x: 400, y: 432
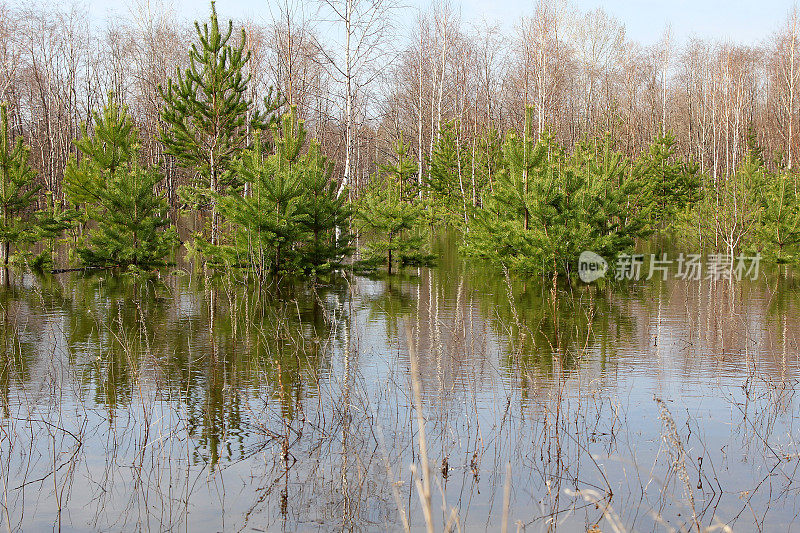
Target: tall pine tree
x: 209, y: 116
x: 131, y: 224
x: 16, y: 187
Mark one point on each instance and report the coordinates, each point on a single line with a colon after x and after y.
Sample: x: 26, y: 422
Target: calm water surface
x: 182, y: 404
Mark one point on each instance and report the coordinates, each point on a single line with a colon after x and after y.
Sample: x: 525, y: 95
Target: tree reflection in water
x: 183, y: 401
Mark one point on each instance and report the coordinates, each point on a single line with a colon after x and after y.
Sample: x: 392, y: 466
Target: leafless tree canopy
x: 361, y: 82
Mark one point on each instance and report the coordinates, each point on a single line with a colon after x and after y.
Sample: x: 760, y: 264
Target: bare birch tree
x: 364, y: 30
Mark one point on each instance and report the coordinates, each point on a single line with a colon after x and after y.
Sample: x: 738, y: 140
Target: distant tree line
x: 577, y: 70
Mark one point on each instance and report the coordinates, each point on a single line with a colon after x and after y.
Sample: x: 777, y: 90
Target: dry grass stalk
x: 423, y: 487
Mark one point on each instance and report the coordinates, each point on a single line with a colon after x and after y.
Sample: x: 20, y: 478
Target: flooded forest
x: 354, y: 265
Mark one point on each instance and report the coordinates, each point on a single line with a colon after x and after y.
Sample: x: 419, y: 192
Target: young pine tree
x: 539, y: 204
x: 546, y: 208
x: 48, y: 226
x: 403, y: 171
x: 324, y: 208
x: 396, y: 227
x: 777, y: 235
x: 449, y: 180
x: 503, y: 231
x: 111, y: 146
x: 267, y: 223
x: 616, y: 210
x: 732, y: 210
x: 209, y: 116
x: 16, y: 187
x: 131, y: 224
x: 667, y: 186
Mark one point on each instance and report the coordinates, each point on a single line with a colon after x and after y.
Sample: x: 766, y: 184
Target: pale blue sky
x: 645, y: 20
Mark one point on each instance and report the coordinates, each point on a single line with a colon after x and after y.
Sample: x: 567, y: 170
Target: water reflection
x: 308, y: 384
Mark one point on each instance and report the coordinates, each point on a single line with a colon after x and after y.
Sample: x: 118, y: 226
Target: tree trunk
x: 348, y: 98
x: 214, y: 214
x: 419, y: 115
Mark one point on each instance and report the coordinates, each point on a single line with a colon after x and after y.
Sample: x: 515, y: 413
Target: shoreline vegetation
x: 269, y: 201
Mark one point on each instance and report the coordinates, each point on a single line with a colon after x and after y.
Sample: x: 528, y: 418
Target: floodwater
x: 181, y: 404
